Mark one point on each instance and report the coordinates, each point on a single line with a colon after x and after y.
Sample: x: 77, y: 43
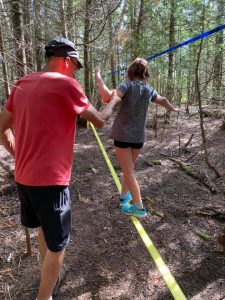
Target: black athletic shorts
x: 47, y: 207
x: 128, y: 145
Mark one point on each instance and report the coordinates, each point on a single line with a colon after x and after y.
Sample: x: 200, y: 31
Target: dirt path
x: 106, y: 259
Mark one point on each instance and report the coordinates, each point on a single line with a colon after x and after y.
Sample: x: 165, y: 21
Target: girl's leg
x: 127, y: 158
x: 135, y: 154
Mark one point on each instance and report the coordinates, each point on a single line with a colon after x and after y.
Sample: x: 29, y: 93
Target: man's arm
x: 98, y: 119
x: 6, y: 136
x: 163, y: 101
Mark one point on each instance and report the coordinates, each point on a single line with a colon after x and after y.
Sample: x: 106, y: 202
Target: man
x: 42, y: 110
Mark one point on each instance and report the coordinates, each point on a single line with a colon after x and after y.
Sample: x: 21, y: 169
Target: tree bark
x: 218, y: 64
x: 37, y: 35
x: 170, y: 88
x: 112, y: 51
x: 4, y: 65
x: 86, y: 48
x: 18, y: 29
x: 27, y: 34
x: 70, y: 20
x: 87, y: 87
x: 138, y: 38
x: 63, y: 19
x: 113, y: 31
x: 204, y: 140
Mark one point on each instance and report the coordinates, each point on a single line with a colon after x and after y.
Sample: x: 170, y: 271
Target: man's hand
x: 6, y: 135
x: 114, y: 97
x: 98, y: 119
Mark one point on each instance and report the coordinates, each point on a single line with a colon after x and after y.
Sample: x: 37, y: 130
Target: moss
x: 156, y: 162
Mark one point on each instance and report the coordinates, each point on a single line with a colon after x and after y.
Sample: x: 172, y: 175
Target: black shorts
x: 128, y: 145
x: 47, y: 207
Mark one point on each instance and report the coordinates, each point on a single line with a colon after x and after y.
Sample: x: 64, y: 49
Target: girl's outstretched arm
x: 104, y: 92
x: 163, y: 101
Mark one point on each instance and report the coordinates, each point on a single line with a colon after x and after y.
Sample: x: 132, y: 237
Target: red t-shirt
x: 44, y: 107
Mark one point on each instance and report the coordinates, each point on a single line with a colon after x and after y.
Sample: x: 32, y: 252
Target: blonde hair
x: 138, y: 69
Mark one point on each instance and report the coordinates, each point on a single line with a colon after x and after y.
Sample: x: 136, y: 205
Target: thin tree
x: 4, y: 65
x: 218, y: 65
x: 37, y: 35
x: 198, y: 93
x: 19, y: 38
x: 170, y: 89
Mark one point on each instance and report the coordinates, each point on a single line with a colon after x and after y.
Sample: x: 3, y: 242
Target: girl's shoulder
x: 144, y: 84
x: 135, y: 85
x: 126, y: 84
x: 148, y: 86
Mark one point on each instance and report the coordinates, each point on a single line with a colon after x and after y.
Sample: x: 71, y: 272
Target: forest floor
x: 106, y: 259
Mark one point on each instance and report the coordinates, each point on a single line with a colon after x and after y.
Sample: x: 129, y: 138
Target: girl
x: 128, y: 130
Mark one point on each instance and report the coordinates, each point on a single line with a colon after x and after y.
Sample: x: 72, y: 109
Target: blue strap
x: 192, y: 40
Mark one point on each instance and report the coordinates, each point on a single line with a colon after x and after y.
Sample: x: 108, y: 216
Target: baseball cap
x: 62, y: 47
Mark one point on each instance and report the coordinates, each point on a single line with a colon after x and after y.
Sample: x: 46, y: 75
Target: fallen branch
x: 197, y: 175
x: 211, y: 211
x: 189, y: 140
x: 156, y: 213
x: 152, y: 210
x: 192, y: 156
x: 184, y: 167
x: 216, y: 113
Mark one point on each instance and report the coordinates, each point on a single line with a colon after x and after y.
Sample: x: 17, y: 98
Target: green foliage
x: 203, y: 236
x: 156, y: 162
x: 76, y: 2
x: 191, y: 18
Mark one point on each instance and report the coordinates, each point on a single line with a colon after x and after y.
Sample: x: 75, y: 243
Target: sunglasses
x: 76, y: 65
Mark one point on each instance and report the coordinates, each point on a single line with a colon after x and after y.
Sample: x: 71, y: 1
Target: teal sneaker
x: 126, y: 200
x: 132, y: 210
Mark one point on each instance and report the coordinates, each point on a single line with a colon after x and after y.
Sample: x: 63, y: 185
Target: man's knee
x: 55, y: 254
x: 55, y: 246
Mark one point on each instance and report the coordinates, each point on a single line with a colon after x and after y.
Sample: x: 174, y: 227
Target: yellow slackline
x: 163, y: 269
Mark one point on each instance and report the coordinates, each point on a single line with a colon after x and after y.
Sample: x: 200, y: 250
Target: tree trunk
x: 86, y: 48
x: 18, y: 29
x: 5, y: 71
x: 86, y: 55
x: 63, y: 19
x: 218, y: 64
x: 138, y: 38
x: 27, y: 34
x: 70, y: 20
x: 5, y: 15
x: 112, y: 52
x: 170, y: 88
x: 37, y: 35
x: 113, y: 31
x: 198, y: 93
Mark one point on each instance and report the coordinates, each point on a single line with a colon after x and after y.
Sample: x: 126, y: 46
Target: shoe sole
x: 138, y: 216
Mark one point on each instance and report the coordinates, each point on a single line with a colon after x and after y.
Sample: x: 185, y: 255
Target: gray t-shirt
x: 129, y: 123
